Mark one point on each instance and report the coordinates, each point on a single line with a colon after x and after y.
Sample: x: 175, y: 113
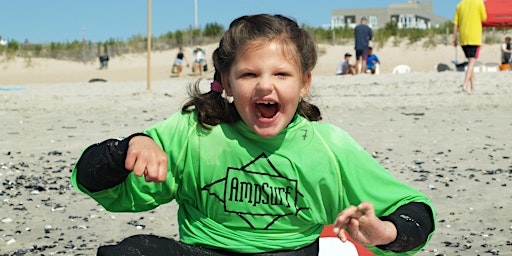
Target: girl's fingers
x: 129, y: 162
x: 139, y: 168
x: 342, y: 235
x: 156, y: 172
x: 144, y: 157
x: 162, y: 173
x: 353, y: 227
x: 343, y: 219
x: 350, y: 214
x: 366, y: 207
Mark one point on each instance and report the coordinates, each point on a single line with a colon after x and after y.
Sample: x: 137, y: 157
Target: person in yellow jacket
x: 468, y: 24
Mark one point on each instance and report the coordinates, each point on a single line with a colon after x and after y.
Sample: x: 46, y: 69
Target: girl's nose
x: 265, y: 83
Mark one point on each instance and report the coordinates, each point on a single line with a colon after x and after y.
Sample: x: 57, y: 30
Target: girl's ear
x: 225, y: 83
x: 305, y: 88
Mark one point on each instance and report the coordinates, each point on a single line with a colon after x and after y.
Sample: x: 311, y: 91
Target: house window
x: 373, y: 21
x: 341, y: 21
x: 394, y: 18
x: 350, y: 20
x: 338, y: 21
x: 407, y: 21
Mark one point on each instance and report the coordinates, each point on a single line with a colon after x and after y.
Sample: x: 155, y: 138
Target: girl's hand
x: 363, y: 226
x: 146, y: 158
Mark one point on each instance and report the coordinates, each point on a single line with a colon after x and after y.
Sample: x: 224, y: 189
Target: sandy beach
x: 133, y: 67
x: 456, y: 147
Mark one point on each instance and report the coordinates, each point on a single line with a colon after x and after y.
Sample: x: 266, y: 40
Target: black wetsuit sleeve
x: 101, y: 165
x: 414, y: 222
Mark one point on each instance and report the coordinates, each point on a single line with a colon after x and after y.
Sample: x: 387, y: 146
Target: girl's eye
x: 248, y: 75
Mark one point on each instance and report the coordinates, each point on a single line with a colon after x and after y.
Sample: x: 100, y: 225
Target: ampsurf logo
x: 257, y: 191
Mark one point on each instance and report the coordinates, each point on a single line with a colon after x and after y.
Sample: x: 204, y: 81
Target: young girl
x: 260, y: 175
x: 199, y: 60
x: 179, y: 62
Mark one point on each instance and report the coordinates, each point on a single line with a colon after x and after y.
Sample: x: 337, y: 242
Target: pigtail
x: 309, y: 111
x: 211, y: 107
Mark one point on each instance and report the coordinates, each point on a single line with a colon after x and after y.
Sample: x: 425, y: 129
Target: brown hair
x: 211, y: 107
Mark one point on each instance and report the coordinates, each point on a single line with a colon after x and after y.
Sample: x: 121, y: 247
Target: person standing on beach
x: 179, y: 62
x: 362, y: 34
x: 199, y: 60
x: 468, y: 19
x: 104, y: 61
x: 258, y: 174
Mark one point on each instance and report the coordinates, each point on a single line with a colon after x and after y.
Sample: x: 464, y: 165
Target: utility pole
x: 83, y: 35
x: 195, y: 14
x: 149, y: 47
x: 84, y: 42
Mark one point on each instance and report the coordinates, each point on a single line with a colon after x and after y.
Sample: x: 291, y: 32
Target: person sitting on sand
x: 371, y: 61
x: 258, y: 175
x: 506, y: 51
x: 345, y: 67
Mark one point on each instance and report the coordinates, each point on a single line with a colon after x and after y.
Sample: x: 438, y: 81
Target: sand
x: 133, y: 67
x: 456, y: 147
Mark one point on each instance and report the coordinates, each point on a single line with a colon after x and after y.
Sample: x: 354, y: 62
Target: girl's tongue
x: 267, y: 110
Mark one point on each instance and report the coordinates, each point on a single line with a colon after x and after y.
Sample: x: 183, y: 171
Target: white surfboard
x: 331, y: 246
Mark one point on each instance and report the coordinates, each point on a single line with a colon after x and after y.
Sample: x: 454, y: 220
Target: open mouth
x: 266, y: 109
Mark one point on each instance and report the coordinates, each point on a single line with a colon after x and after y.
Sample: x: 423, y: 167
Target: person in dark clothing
x: 104, y: 61
x: 177, y: 67
x: 506, y: 51
x: 362, y: 34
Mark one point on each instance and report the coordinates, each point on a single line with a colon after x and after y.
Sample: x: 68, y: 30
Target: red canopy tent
x: 499, y: 13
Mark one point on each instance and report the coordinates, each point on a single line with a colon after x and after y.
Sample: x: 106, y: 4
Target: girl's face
x: 266, y: 84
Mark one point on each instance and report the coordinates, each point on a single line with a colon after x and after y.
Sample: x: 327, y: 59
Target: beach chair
x: 491, y: 67
x: 401, y: 69
x: 377, y: 69
x: 331, y: 245
x: 478, y: 67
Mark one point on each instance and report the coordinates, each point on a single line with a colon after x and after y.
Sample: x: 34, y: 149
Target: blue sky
x: 65, y: 21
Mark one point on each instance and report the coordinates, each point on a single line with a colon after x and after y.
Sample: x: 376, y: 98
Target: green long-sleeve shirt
x: 244, y: 193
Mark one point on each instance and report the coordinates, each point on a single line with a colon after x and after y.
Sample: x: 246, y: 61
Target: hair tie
x: 216, y: 86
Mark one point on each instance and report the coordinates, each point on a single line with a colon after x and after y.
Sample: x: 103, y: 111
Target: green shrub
x: 89, y: 51
x: 179, y: 37
x: 213, y: 30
